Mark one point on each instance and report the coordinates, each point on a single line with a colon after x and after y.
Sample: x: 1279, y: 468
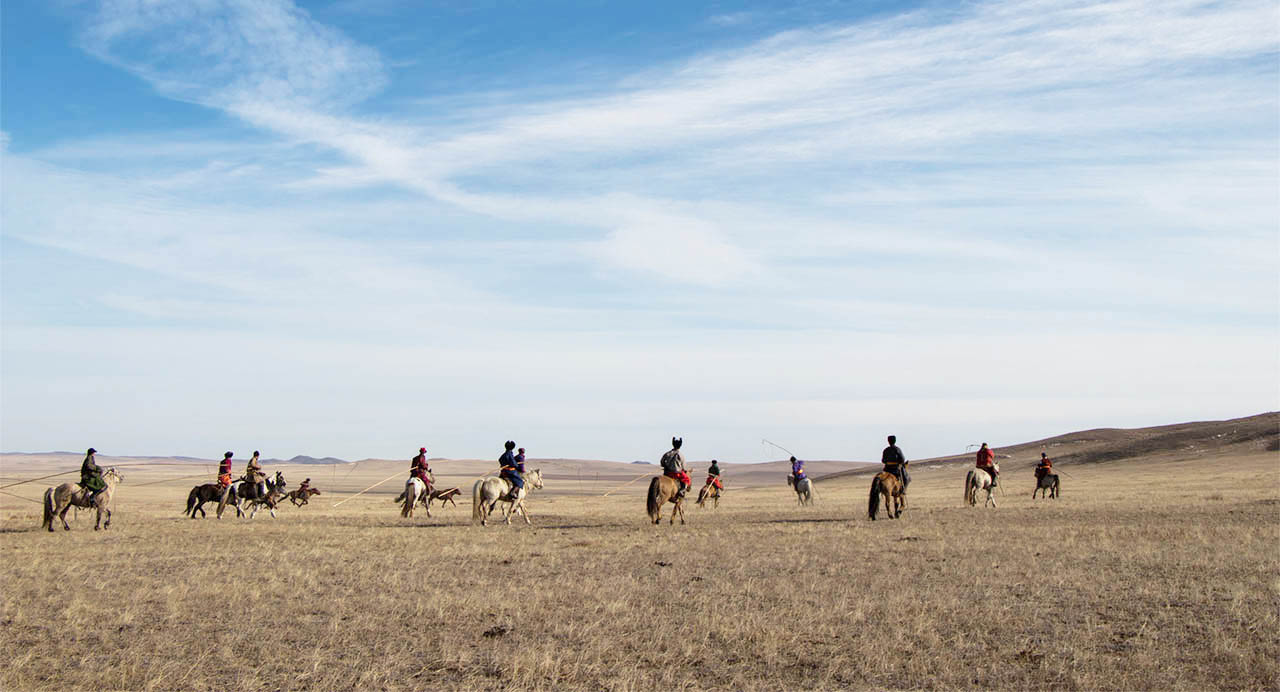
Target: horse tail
x: 654, y: 502
x: 873, y: 504
x: 191, y: 501
x: 968, y: 487
x: 48, y: 509
x: 410, y: 497
x: 475, y: 500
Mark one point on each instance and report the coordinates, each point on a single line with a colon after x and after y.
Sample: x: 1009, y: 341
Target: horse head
x: 112, y: 476
x: 279, y: 479
x: 535, y: 478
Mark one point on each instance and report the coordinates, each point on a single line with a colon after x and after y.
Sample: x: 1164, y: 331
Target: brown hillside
x: 1201, y: 439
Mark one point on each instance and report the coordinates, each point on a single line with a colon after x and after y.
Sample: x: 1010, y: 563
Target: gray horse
x: 63, y: 497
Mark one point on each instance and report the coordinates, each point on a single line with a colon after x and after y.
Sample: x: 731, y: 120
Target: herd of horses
x: 488, y: 493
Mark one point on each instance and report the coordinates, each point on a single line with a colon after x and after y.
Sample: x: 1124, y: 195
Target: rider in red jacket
x: 987, y: 461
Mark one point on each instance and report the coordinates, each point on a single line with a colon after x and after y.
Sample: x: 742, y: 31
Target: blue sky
x: 355, y: 228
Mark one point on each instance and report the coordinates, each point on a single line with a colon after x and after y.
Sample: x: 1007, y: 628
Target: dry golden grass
x: 1146, y: 575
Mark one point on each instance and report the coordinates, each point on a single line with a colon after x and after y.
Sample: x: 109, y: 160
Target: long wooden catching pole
x: 633, y: 480
x: 384, y: 480
x: 33, y: 480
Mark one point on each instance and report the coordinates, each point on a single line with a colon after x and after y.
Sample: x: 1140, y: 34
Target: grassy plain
x: 1151, y: 573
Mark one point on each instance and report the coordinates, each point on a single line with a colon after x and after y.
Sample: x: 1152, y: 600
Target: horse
x: 709, y: 492
x: 249, y: 493
x: 415, y: 491
x: 209, y: 492
x: 443, y: 496
x: 664, y: 489
x: 886, y: 484
x: 804, y: 489
x: 299, y: 497
x: 61, y: 498
x: 1050, y: 484
x: 977, y: 480
x: 488, y: 492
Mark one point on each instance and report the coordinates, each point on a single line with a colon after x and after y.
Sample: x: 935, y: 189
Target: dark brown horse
x: 664, y: 489
x: 209, y: 492
x: 1049, y: 484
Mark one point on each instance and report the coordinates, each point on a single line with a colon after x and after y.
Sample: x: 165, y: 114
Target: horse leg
x: 680, y: 509
x: 63, y: 516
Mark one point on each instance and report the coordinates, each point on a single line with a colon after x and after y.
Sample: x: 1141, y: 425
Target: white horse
x: 59, y: 499
x: 977, y: 480
x: 488, y: 492
x: 804, y: 489
x: 415, y: 491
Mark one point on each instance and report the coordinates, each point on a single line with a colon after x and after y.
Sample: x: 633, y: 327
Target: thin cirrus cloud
x: 1017, y: 212
x: 905, y: 88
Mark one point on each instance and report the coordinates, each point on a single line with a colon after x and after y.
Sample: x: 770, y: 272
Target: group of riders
x: 511, y: 468
x: 253, y: 477
x: 892, y: 458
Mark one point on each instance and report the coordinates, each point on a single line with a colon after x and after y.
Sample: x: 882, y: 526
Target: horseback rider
x: 420, y: 469
x: 224, y: 472
x: 302, y: 489
x: 512, y: 469
x: 254, y: 476
x: 986, y: 462
x: 797, y: 471
x: 1044, y: 468
x: 91, y: 477
x: 713, y: 475
x: 673, y: 467
x: 895, y: 462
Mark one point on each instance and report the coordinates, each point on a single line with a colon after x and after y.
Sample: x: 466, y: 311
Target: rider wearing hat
x: 419, y: 468
x: 91, y: 476
x: 224, y: 472
x: 512, y: 468
x: 713, y: 475
x: 797, y: 471
x: 673, y: 466
x: 895, y: 462
x: 254, y: 476
x: 1045, y: 467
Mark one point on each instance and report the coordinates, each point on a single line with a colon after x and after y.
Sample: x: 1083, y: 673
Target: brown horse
x: 889, y: 486
x: 299, y: 496
x: 664, y: 489
x: 61, y: 498
x: 709, y: 492
x: 443, y: 496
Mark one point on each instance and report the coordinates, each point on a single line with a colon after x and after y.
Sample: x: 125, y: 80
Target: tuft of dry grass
x: 1143, y: 576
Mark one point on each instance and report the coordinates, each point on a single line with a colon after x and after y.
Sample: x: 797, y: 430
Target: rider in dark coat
x: 91, y: 476
x: 673, y: 466
x: 713, y: 475
x: 511, y: 470
x: 895, y: 462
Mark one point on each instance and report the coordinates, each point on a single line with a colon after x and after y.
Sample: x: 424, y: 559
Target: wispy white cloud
x: 973, y: 215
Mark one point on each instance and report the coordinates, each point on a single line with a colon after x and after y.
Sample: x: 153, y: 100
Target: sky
x: 357, y: 228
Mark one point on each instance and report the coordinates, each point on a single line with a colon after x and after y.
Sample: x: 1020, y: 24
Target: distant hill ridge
x: 1250, y: 434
